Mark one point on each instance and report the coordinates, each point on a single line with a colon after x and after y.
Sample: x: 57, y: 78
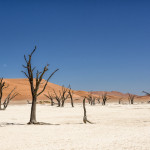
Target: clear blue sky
x: 96, y: 44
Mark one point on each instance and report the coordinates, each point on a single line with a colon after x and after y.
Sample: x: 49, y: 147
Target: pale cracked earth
x: 116, y: 127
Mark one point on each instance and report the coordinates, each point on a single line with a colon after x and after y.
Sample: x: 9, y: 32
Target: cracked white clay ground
x: 116, y: 127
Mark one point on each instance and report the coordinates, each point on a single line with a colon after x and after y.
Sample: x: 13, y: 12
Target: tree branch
x: 47, y: 82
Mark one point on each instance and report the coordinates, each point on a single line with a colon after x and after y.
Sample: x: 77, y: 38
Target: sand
x: 116, y: 127
x: 23, y: 88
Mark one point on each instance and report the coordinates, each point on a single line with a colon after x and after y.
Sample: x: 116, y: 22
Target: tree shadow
x: 7, y: 124
x: 22, y: 124
x: 41, y: 123
x: 3, y: 124
x: 79, y: 123
x: 73, y: 123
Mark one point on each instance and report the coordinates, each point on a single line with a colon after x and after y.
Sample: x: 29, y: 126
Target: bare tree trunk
x: 33, y: 111
x: 72, y: 101
x: 0, y: 104
x: 70, y: 92
x: 131, y: 98
x: 58, y: 103
x: 103, y: 102
x: 63, y: 102
x: 85, y: 117
x: 52, y: 103
x: 1, y: 101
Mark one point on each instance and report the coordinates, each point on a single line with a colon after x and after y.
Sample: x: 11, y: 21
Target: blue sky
x: 97, y: 45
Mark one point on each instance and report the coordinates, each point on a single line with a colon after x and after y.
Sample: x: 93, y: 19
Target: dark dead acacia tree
x: 131, y: 98
x: 10, y: 96
x: 85, y: 116
x: 104, y: 98
x: 35, y: 84
x: 50, y: 97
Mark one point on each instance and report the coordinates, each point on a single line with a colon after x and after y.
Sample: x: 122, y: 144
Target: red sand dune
x: 23, y: 88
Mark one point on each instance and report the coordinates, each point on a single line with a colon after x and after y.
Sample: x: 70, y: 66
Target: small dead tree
x: 91, y: 99
x: 35, y: 87
x: 10, y: 96
x: 120, y: 100
x: 131, y: 98
x: 50, y: 97
x: 58, y: 98
x: 61, y: 97
x: 98, y: 99
x: 104, y: 98
x: 85, y: 116
x: 64, y: 95
x: 29, y: 102
x: 70, y: 92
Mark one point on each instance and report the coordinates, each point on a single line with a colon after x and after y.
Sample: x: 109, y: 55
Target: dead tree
x: 70, y: 92
x: 131, y: 98
x: 58, y: 98
x: 29, y: 102
x: 148, y: 94
x: 9, y: 97
x: 64, y: 95
x: 104, y: 98
x: 91, y: 98
x: 35, y: 87
x: 50, y: 97
x: 120, y: 100
x: 85, y: 116
x: 98, y: 99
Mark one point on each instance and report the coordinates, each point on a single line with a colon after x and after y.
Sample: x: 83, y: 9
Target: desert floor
x: 116, y: 127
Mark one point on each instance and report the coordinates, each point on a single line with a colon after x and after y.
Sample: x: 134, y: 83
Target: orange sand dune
x: 23, y: 88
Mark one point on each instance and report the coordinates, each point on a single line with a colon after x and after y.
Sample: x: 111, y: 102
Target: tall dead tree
x: 49, y: 96
x: 104, y: 98
x: 131, y: 98
x: 70, y: 92
x: 85, y: 116
x: 9, y: 97
x: 35, y: 86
